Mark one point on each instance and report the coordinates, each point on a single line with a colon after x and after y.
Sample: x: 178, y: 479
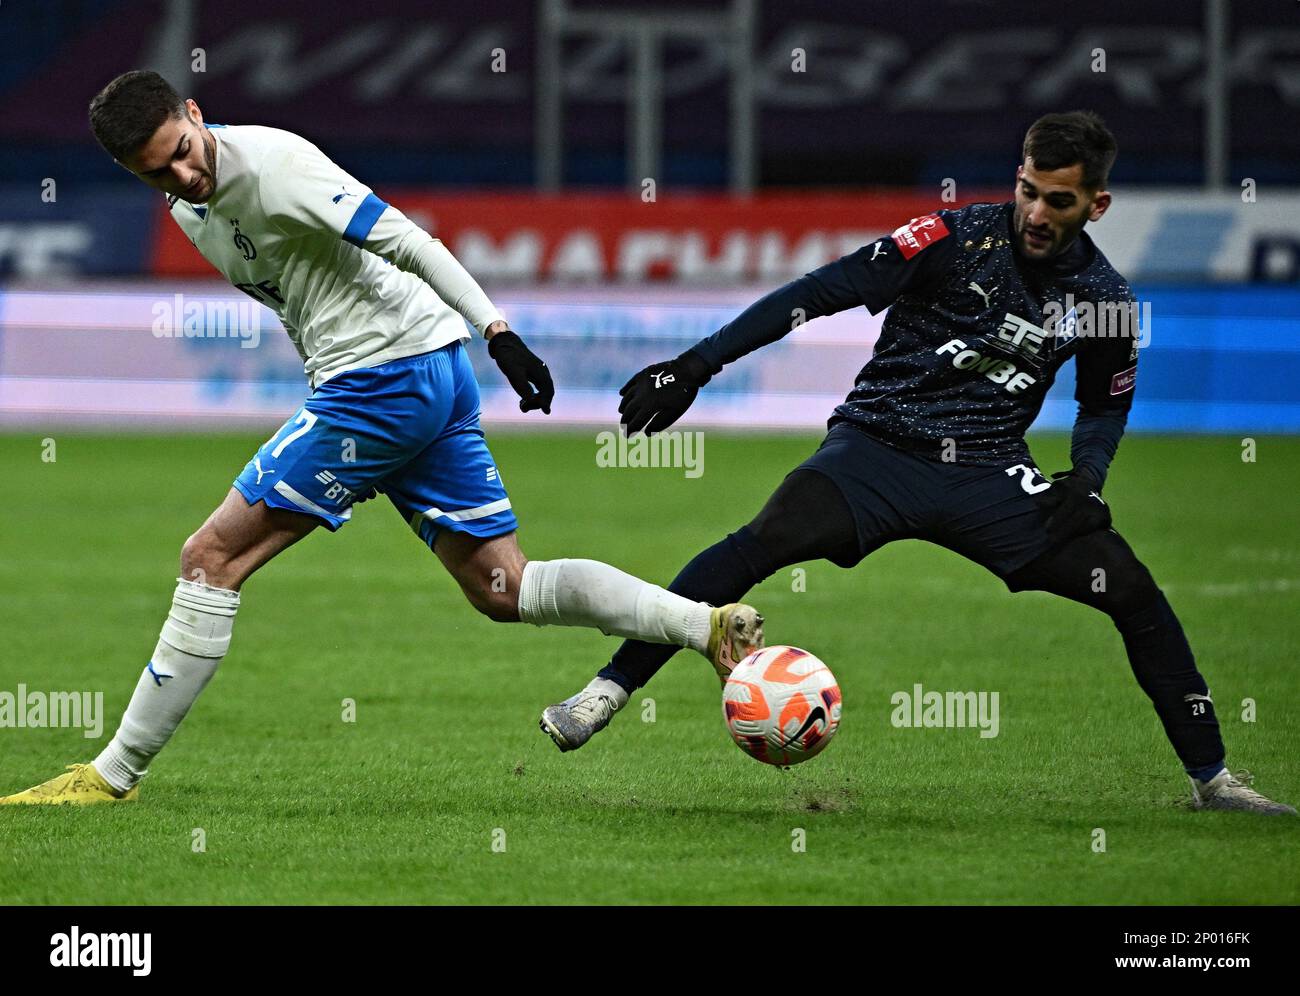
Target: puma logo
x: 982, y: 293
x: 663, y: 378
x: 879, y: 248
x: 257, y: 465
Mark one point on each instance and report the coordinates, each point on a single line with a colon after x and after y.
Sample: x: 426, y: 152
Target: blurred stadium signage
x: 1219, y: 359
x: 689, y: 240
x: 714, y: 240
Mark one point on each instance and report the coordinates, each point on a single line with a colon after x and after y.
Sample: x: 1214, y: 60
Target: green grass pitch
x: 444, y: 757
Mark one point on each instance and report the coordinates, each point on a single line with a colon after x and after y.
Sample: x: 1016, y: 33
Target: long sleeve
x: 1105, y: 376
x: 875, y: 276
x: 822, y: 292
x: 409, y: 247
x: 1094, y: 442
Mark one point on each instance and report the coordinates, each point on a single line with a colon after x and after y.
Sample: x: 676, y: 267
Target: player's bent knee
x: 499, y: 609
x: 200, y: 559
x: 497, y: 605
x: 1099, y: 570
x: 785, y: 530
x: 205, y: 561
x: 1135, y: 594
x: 1129, y: 586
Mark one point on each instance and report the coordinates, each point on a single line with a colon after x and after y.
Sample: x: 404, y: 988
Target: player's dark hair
x: 1057, y: 141
x: 125, y: 114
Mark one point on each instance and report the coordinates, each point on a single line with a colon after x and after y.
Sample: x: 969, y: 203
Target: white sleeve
x: 303, y: 191
x: 409, y: 247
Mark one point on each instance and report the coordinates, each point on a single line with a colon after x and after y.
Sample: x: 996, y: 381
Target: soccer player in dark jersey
x: 985, y: 305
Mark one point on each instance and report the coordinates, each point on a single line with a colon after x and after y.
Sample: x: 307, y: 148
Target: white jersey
x: 286, y: 225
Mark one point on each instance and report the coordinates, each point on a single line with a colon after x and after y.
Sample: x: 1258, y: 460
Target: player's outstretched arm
x: 874, y: 275
x: 659, y: 395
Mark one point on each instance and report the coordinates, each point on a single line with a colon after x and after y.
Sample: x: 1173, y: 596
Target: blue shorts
x: 408, y: 429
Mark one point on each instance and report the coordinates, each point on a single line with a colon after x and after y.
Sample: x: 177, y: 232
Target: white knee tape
x: 201, y: 619
x: 537, y: 602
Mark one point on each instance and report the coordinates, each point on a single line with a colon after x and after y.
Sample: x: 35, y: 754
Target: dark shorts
x: 985, y: 513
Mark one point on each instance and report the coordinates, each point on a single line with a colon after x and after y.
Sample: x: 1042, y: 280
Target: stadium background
x: 535, y: 177
x: 889, y: 116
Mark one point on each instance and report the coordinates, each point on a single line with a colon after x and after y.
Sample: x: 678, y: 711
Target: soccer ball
x: 781, y: 705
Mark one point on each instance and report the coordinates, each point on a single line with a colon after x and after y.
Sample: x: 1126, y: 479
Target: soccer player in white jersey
x: 378, y: 309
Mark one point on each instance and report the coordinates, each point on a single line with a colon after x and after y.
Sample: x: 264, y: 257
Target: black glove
x: 661, y: 393
x: 524, y: 370
x: 1074, y: 507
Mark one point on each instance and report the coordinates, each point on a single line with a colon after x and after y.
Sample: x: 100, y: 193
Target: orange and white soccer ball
x: 781, y: 705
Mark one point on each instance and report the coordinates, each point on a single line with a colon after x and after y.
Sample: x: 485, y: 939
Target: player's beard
x: 1058, y: 242
x: 207, y: 183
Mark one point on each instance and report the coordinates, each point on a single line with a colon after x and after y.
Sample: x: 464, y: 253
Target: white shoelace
x: 593, y: 708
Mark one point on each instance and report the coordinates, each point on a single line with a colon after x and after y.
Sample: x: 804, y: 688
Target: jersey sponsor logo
x: 919, y: 233
x: 1023, y: 336
x: 999, y: 371
x: 335, y: 491
x: 1123, y: 381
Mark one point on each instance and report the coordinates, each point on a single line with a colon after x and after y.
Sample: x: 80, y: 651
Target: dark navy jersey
x: 971, y: 343
x: 974, y: 335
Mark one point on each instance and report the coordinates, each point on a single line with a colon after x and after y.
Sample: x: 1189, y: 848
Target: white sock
x: 615, y: 691
x: 589, y: 593
x: 194, y: 638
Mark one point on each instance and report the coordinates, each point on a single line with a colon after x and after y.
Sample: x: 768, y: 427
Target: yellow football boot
x: 735, y: 632
x: 80, y: 786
